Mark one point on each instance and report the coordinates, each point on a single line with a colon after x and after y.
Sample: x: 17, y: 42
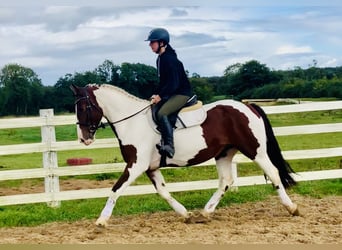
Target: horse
x: 230, y: 126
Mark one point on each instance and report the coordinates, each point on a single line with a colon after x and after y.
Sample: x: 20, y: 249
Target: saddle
x: 191, y: 114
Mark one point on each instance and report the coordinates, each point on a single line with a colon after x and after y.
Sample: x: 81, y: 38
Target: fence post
x: 50, y: 162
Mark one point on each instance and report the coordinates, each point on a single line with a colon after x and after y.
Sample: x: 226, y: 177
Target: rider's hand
x: 155, y: 99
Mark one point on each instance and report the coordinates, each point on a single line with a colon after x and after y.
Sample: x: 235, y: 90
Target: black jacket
x: 172, y: 76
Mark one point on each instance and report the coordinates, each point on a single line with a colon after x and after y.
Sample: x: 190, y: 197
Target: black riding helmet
x: 159, y: 34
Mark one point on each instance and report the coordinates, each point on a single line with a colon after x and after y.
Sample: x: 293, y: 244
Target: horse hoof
x: 199, y: 218
x: 293, y: 210
x: 101, y: 222
x: 296, y: 213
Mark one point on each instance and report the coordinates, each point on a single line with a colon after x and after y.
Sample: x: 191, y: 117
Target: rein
x: 130, y: 116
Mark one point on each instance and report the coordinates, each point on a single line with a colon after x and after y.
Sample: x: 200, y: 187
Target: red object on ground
x: 79, y: 161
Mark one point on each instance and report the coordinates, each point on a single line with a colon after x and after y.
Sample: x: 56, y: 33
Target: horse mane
x: 117, y: 89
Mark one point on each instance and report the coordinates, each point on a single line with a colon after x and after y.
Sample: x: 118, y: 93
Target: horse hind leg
x: 226, y: 180
x: 273, y: 174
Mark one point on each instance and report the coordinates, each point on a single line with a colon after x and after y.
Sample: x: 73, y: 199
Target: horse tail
x: 274, y: 152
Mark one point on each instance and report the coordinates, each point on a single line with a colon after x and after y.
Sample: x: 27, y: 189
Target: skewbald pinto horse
x: 230, y: 126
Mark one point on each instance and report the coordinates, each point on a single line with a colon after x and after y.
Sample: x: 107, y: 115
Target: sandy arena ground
x: 261, y: 222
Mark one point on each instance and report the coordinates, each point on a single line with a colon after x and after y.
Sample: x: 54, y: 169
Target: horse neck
x: 117, y: 104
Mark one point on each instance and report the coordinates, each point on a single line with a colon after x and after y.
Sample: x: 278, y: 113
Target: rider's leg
x: 174, y: 104
x: 167, y: 136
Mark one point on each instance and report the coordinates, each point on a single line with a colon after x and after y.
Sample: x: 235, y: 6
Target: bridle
x: 92, y: 127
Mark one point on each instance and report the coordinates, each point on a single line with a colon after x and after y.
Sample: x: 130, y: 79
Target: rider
x: 174, y: 88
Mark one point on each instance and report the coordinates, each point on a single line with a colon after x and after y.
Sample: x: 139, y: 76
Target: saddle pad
x: 191, y: 117
x: 198, y: 105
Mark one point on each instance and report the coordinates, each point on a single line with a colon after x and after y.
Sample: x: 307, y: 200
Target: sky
x: 55, y: 38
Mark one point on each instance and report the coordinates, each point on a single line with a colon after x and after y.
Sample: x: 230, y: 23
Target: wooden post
x: 49, y: 156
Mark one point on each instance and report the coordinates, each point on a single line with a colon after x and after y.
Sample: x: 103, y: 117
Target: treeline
x: 22, y: 92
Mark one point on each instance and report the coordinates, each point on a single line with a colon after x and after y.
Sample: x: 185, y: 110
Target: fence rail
x: 51, y: 172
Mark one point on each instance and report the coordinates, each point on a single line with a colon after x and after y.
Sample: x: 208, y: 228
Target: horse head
x: 88, y: 112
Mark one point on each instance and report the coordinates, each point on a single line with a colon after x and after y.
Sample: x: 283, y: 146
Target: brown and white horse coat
x: 230, y: 126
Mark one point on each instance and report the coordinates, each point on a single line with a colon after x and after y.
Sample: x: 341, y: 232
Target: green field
x: 34, y: 214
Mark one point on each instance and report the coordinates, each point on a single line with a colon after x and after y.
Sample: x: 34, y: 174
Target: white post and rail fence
x: 51, y: 172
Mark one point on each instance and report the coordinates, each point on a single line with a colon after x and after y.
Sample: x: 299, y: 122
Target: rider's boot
x: 166, y: 144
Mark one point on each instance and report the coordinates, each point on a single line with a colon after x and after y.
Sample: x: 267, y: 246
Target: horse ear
x: 74, y: 88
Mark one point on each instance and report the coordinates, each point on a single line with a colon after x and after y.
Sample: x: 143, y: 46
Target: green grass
x: 34, y: 160
x: 305, y: 118
x: 319, y: 189
x: 19, y: 136
x: 32, y: 135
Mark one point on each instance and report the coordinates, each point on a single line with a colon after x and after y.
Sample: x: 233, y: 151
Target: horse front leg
x: 158, y: 181
x: 129, y: 175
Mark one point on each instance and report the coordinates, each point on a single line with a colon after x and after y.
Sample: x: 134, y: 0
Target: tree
x: 138, y: 79
x: 242, y: 79
x: 202, y: 89
x: 63, y: 98
x: 21, y: 90
x: 108, y: 72
x: 254, y: 74
x: 232, y: 69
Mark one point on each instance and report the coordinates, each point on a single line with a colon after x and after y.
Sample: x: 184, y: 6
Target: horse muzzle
x: 86, y: 141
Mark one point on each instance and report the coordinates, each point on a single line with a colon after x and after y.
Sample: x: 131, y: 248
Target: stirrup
x: 167, y: 150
